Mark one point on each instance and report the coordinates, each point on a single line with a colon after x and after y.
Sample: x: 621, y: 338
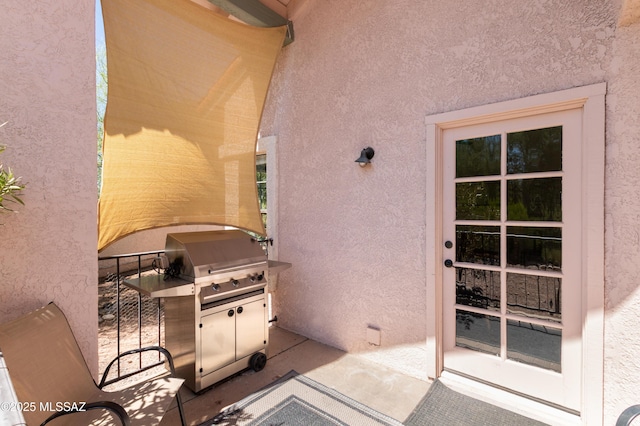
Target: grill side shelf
x: 157, y: 286
x: 275, y: 267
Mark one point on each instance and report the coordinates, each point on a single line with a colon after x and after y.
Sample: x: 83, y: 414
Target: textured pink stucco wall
x: 366, y: 72
x: 361, y: 72
x: 622, y: 231
x: 47, y: 96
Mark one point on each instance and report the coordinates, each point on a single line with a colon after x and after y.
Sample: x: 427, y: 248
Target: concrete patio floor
x: 383, y: 389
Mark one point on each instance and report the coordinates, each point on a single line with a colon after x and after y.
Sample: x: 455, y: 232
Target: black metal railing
x: 128, y: 320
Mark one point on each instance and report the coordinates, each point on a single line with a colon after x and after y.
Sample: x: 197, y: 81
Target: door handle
x: 448, y: 263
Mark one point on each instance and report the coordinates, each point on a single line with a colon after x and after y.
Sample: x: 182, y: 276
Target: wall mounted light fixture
x: 365, y: 156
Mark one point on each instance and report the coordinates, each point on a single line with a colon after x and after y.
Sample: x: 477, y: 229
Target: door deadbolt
x: 448, y: 244
x: 448, y: 263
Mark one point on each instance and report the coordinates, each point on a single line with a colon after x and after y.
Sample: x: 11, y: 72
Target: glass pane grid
x: 478, y: 266
x: 540, y: 175
x: 543, y: 272
x: 509, y: 244
x: 532, y: 320
x: 472, y: 179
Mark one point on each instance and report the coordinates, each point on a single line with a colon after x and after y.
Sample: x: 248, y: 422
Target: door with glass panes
x: 512, y: 250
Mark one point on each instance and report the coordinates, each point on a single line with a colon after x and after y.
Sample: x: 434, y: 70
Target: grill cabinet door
x: 217, y: 337
x: 250, y: 328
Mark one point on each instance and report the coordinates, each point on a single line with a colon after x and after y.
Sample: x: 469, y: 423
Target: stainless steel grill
x: 216, y: 316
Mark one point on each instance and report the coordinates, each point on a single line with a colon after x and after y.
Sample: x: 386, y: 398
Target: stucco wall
x: 47, y: 96
x: 622, y: 232
x: 361, y: 72
x: 367, y: 73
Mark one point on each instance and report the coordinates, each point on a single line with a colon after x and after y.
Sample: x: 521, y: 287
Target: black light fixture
x: 365, y: 156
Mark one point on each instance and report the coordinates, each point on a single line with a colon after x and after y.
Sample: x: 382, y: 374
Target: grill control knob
x: 260, y: 276
x: 235, y: 282
x: 252, y: 278
x: 215, y: 287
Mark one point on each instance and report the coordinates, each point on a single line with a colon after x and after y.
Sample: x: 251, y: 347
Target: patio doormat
x: 297, y: 400
x: 443, y: 406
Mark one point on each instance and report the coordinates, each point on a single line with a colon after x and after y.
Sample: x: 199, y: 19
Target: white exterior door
x: 512, y: 250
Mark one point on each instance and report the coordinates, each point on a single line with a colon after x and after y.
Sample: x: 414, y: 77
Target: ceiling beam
x: 255, y: 13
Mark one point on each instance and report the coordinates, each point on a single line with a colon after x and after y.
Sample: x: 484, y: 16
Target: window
x: 261, y: 179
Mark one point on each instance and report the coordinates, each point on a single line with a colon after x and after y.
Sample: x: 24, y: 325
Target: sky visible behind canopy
x: 99, y: 26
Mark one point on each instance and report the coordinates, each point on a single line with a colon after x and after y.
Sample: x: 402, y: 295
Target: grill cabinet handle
x: 230, y: 313
x: 240, y: 310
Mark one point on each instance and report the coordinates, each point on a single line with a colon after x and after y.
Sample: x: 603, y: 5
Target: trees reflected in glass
x: 478, y: 200
x: 478, y: 156
x: 532, y: 151
x: 535, y: 199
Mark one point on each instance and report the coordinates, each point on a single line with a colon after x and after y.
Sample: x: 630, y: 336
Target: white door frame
x: 591, y: 100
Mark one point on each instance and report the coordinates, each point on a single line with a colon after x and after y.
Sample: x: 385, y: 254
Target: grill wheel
x: 258, y: 361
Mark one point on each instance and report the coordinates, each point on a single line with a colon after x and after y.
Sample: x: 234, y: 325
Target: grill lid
x: 201, y: 254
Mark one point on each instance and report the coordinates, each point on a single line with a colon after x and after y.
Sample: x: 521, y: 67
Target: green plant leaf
x: 10, y: 185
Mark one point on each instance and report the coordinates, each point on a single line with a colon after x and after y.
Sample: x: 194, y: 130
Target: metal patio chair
x: 627, y: 417
x: 54, y: 385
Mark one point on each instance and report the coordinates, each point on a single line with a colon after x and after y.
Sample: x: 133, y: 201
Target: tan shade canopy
x: 186, y: 93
